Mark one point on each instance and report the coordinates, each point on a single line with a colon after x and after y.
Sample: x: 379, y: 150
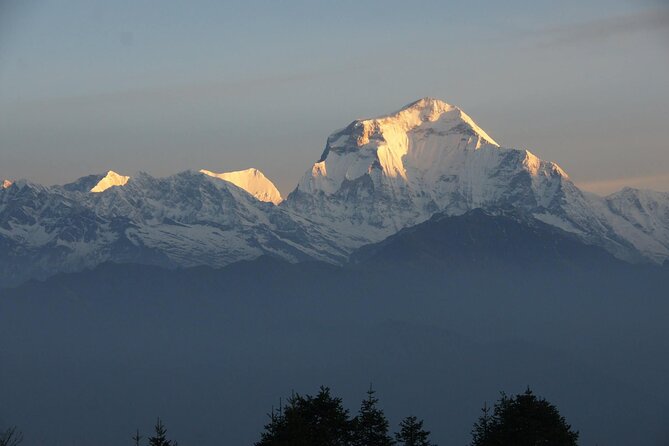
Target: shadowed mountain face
x: 88, y: 357
x: 478, y: 239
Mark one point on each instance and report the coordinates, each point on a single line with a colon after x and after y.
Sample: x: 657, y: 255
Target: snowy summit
x: 110, y: 180
x: 416, y: 144
x: 252, y: 181
x: 379, y: 175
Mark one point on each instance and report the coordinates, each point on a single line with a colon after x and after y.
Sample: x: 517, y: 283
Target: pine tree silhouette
x: 137, y: 438
x: 412, y: 433
x: 309, y: 421
x: 523, y: 420
x: 11, y: 437
x: 160, y: 437
x: 371, y: 425
x: 482, y: 426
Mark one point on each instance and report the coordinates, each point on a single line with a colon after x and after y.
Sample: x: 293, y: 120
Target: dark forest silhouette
x: 306, y: 420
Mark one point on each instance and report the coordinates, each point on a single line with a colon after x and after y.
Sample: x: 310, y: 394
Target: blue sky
x: 161, y: 86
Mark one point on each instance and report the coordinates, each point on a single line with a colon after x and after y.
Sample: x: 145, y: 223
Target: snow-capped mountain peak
x: 377, y: 176
x: 6, y: 184
x: 110, y: 180
x: 435, y: 110
x: 407, y: 147
x: 252, y: 181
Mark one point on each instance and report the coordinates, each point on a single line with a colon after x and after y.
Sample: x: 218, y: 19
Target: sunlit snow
x: 252, y: 181
x: 110, y: 180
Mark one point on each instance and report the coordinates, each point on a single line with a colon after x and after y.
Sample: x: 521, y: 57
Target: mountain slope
x: 252, y: 181
x: 482, y: 240
x: 183, y: 220
x: 642, y: 216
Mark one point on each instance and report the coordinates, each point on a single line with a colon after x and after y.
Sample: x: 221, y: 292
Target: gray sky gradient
x: 88, y: 86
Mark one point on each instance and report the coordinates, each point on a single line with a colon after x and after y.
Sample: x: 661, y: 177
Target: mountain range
x: 375, y: 178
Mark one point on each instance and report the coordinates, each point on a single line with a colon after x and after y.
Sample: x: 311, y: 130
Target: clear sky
x: 164, y: 86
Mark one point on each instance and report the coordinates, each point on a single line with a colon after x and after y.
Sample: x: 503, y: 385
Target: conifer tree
x: 160, y: 437
x: 523, y: 420
x: 11, y: 437
x: 371, y: 425
x: 308, y: 421
x: 137, y: 438
x: 482, y: 426
x: 412, y: 433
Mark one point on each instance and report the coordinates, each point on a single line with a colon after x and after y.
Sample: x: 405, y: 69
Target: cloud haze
x: 604, y: 187
x: 611, y: 27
